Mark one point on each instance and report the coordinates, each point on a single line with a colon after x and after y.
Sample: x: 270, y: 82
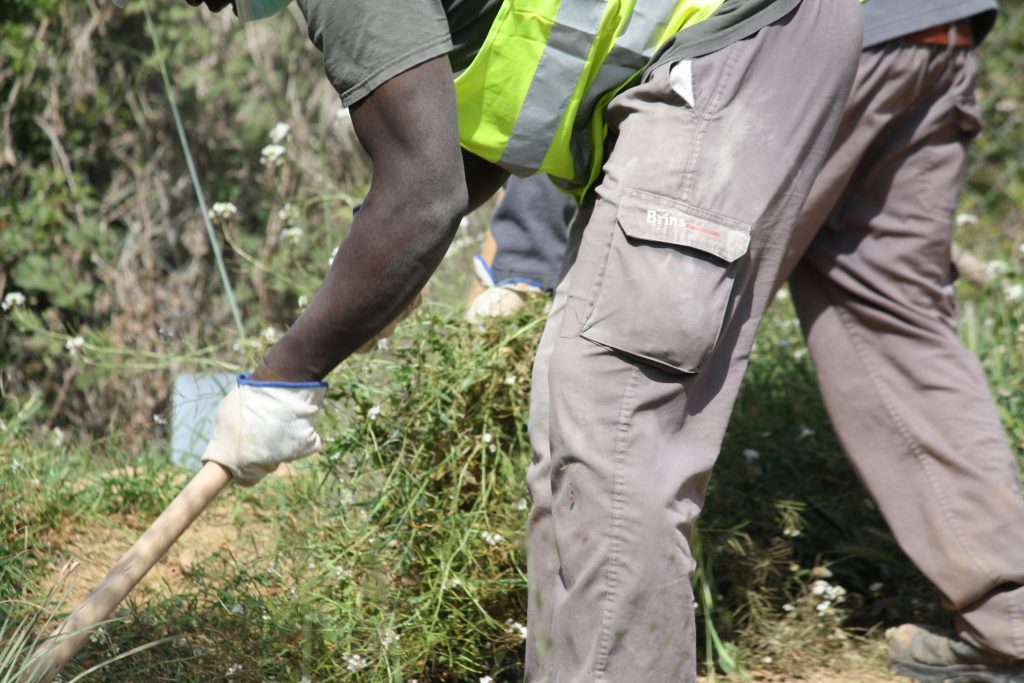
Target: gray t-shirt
x: 367, y: 42
x: 886, y: 20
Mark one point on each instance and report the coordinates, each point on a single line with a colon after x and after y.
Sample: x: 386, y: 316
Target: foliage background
x: 395, y: 532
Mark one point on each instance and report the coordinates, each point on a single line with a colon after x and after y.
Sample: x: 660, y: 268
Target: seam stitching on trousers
x: 598, y: 285
x: 704, y: 120
x: 912, y: 444
x: 618, y: 504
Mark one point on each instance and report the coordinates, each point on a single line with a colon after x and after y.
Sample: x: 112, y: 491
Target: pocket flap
x: 656, y: 218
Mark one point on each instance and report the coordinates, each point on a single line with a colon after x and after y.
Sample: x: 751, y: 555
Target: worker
x: 869, y: 267
x: 870, y: 272
x: 691, y: 131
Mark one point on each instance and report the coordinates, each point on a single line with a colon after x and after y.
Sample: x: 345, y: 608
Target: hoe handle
x: 67, y: 640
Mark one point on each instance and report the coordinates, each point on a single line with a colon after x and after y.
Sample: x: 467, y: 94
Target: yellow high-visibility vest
x: 533, y: 98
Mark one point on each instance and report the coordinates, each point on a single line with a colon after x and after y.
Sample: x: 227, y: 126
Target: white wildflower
x: 292, y: 234
x: 1006, y: 105
x: 515, y: 628
x: 269, y: 333
x: 238, y: 608
x: 510, y: 380
x: 232, y: 670
x: 521, y: 504
x: 996, y: 268
x: 1014, y: 292
x: 280, y: 133
x: 57, y: 436
x: 767, y: 659
x: 782, y: 294
x: 487, y: 437
x: 12, y: 300
x: 493, y: 448
x: 372, y: 413
x: 73, y: 344
x: 819, y: 587
x: 823, y: 606
x: 159, y: 419
x: 356, y: 663
x: 389, y: 638
x: 791, y: 532
x: 223, y: 211
x: 788, y: 607
x: 486, y: 679
x: 272, y: 155
x: 302, y: 301
x: 454, y: 582
x: 751, y: 454
x: 491, y: 538
x: 384, y: 343
x: 963, y: 219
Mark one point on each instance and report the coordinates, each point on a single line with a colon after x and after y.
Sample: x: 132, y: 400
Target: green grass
x: 397, y: 554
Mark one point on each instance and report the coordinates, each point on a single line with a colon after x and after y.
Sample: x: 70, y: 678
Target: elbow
x: 445, y: 204
x: 434, y: 215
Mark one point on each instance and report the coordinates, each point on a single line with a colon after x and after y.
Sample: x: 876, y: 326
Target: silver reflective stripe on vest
x: 551, y: 88
x: 562, y: 60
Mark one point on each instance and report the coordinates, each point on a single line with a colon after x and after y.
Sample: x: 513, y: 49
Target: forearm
x: 408, y: 127
x: 384, y: 262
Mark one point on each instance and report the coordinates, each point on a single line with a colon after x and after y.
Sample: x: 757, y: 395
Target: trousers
x: 670, y: 265
x: 870, y: 272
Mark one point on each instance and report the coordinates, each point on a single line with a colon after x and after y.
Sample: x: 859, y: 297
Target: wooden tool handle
x: 67, y: 640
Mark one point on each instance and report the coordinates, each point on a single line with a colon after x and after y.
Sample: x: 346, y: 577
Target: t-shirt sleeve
x: 367, y: 42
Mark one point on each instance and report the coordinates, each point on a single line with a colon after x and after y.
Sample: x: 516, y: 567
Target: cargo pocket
x: 664, y: 291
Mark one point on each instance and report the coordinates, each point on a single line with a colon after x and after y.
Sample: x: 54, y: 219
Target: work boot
x: 930, y: 655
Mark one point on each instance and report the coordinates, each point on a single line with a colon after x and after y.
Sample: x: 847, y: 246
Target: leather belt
x: 963, y: 35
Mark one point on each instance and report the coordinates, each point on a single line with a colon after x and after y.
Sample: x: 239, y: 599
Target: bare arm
x: 419, y: 191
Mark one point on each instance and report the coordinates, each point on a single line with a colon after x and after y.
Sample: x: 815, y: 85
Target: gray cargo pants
x: 874, y: 292
x: 670, y: 267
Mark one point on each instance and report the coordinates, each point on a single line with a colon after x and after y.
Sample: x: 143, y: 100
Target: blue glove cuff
x: 243, y: 380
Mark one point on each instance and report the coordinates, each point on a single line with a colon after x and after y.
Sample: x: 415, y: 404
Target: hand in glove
x: 259, y: 425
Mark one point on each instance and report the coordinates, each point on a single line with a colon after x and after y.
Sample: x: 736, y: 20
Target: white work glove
x: 260, y: 425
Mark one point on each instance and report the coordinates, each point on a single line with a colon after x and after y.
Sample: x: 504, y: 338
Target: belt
x: 962, y: 35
